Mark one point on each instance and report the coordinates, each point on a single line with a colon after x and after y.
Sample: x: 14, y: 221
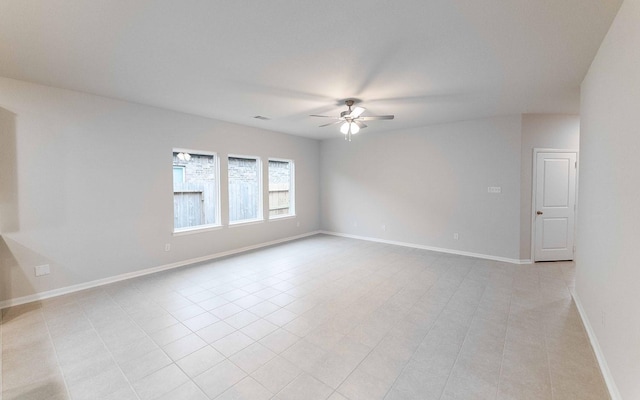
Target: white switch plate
x: 494, y: 189
x: 167, y: 247
x: 42, y: 270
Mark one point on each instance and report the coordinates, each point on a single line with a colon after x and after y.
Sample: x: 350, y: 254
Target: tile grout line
x: 55, y: 352
x: 161, y: 348
x: 347, y: 377
x: 175, y: 362
x: 195, y: 332
x: 248, y: 375
x: 147, y: 335
x: 504, y: 347
x: 464, y: 340
x: 431, y: 327
x: 387, y: 334
x: 107, y: 347
x: 136, y: 324
x: 404, y: 367
x: 546, y: 341
x: 279, y: 327
x: 361, y: 361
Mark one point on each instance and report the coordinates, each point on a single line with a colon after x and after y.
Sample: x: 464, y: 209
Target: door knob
x: 539, y: 212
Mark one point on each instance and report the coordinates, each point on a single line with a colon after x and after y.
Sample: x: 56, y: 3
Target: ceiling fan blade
x: 360, y: 124
x: 322, y: 116
x: 330, y: 123
x: 375, y: 117
x: 355, y: 113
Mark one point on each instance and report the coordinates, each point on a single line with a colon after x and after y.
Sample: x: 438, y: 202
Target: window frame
x: 292, y: 189
x: 260, y: 200
x: 216, y: 193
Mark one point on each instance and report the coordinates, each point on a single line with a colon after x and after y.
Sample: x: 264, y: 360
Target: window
x: 245, y: 189
x: 281, y: 188
x: 195, y: 190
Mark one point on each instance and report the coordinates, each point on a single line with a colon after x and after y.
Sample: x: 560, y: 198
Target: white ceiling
x: 426, y: 61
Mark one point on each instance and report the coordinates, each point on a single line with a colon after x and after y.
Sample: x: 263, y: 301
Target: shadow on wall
x: 18, y: 274
x: 8, y: 264
x: 8, y: 173
x: 18, y: 258
x: 8, y: 197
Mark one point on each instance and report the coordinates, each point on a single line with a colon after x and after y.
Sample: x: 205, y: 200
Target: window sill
x: 280, y: 218
x: 245, y: 222
x: 199, y: 229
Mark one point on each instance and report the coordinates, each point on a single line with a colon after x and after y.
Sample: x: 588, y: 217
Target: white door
x: 554, y: 209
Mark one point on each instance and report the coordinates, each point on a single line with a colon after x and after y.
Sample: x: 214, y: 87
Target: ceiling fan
x: 352, y: 120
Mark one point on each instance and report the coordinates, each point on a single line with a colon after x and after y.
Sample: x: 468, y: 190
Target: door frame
x: 534, y: 163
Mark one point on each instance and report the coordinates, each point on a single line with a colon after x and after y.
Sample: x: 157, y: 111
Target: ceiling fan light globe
x: 344, y: 128
x: 354, y: 128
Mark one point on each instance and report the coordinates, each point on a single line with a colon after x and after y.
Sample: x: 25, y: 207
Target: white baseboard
x: 604, y: 367
x: 105, y: 281
x: 431, y: 248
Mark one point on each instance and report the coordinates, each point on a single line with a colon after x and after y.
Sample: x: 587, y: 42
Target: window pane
x: 281, y: 198
x: 195, y: 190
x: 245, y: 193
x: 178, y: 174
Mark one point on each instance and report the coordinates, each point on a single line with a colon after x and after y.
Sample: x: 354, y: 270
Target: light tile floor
x: 318, y: 318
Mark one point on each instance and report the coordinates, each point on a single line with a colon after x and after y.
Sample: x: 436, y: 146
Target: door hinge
x: 575, y: 165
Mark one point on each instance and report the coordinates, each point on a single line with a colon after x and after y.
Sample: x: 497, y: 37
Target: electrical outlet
x: 298, y: 224
x: 384, y: 227
x: 456, y: 236
x: 42, y: 270
x: 167, y: 247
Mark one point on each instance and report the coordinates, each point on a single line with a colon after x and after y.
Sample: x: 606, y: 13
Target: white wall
x: 87, y: 186
x: 426, y: 184
x: 608, y: 272
x: 555, y: 131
